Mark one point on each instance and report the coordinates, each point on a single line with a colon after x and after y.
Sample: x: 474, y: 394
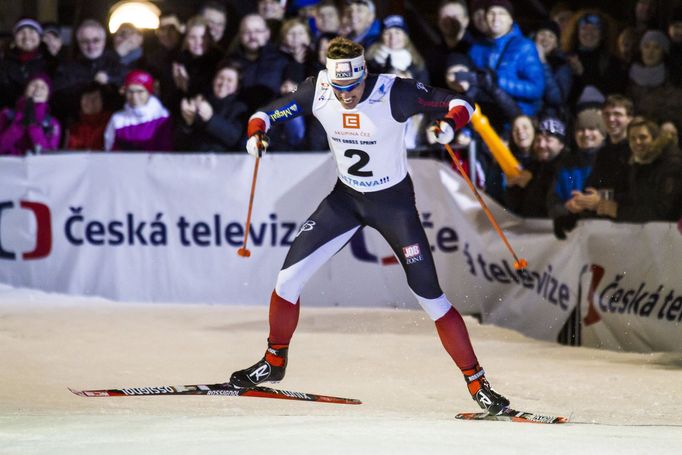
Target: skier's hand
x: 257, y: 144
x: 441, y: 131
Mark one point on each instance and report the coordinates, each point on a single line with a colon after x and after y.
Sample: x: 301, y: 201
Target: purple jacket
x: 146, y: 128
x: 17, y: 138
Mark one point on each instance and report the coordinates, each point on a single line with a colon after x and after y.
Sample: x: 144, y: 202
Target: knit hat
x: 590, y: 119
x: 590, y: 97
x: 27, y: 22
x: 395, y: 21
x: 477, y: 4
x: 506, y: 4
x: 52, y: 27
x: 140, y: 77
x: 43, y: 77
x: 591, y: 19
x: 552, y: 26
x: 554, y: 127
x: 657, y: 37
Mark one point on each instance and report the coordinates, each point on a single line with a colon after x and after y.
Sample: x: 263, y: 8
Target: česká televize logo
x: 43, y: 233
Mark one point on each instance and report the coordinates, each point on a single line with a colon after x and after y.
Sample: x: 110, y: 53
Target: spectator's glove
x: 441, y: 131
x: 29, y: 117
x: 486, y: 79
x: 257, y: 144
x: 564, y: 224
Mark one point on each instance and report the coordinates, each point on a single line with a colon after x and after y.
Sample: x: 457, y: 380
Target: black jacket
x: 15, y: 74
x: 531, y: 201
x: 655, y: 192
x: 223, y: 132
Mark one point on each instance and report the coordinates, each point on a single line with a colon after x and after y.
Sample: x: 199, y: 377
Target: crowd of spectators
x: 589, y: 106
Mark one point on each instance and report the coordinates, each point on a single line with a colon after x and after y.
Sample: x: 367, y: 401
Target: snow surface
x: 390, y: 359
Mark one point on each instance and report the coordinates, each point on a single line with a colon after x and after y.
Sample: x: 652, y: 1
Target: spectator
x: 645, y: 15
x: 52, y: 39
x: 296, y: 43
x: 215, y: 122
x: 143, y: 124
x: 522, y: 136
x: 361, y: 18
x: 627, y: 45
x: 655, y: 187
x: 24, y: 59
x: 29, y: 126
x: 558, y: 74
x: 263, y: 66
x: 197, y: 60
x: 612, y: 162
x: 650, y: 88
x: 163, y: 51
x: 273, y: 13
x: 93, y: 63
x: 512, y: 58
x: 675, y: 35
x: 573, y: 170
x: 327, y: 17
x: 588, y: 44
x: 453, y: 23
x: 88, y: 132
x: 561, y: 13
x: 128, y: 42
x: 394, y: 53
x: 214, y: 14
x: 478, y: 12
x: 495, y: 103
x: 526, y: 194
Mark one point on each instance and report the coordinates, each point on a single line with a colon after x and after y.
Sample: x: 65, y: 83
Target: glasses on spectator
x: 134, y: 91
x: 90, y: 41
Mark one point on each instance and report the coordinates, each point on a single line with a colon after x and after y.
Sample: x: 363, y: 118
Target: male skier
x: 364, y: 116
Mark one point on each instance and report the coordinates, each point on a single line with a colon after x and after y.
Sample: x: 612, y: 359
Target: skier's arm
x: 286, y: 108
x: 410, y: 97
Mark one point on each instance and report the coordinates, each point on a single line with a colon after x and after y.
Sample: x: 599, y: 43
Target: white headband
x: 346, y: 69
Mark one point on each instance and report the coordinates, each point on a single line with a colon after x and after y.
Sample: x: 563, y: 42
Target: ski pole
x: 519, y: 263
x: 244, y: 251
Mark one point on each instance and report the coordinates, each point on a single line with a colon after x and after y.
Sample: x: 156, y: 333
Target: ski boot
x: 270, y: 369
x: 486, y: 397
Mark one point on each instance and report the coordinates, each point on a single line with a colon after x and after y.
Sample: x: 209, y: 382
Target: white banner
x: 166, y: 227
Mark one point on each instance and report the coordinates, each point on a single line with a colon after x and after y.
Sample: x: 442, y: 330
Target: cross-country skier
x: 364, y: 116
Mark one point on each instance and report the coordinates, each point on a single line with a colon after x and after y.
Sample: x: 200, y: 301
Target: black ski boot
x: 486, y: 397
x: 269, y: 369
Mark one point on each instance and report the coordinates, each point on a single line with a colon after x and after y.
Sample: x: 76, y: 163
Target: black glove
x: 564, y: 224
x: 29, y: 112
x: 486, y: 79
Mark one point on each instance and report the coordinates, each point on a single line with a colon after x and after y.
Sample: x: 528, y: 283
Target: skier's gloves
x: 257, y: 144
x: 441, y: 131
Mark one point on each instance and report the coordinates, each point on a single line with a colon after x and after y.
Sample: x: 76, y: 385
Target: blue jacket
x: 514, y: 59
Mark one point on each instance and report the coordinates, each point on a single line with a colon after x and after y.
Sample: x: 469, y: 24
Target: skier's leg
x: 399, y: 224
x: 327, y: 230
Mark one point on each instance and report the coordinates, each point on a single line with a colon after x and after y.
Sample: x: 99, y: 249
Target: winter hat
x: 657, y: 37
x: 27, y: 22
x: 590, y: 119
x: 552, y: 26
x: 368, y: 3
x: 456, y: 58
x: 506, y: 4
x: 52, y: 27
x: 140, y: 77
x: 591, y: 19
x: 554, y: 127
x: 395, y: 21
x: 43, y: 77
x: 590, y: 97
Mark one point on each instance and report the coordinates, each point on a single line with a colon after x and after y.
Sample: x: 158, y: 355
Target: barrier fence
x: 166, y: 228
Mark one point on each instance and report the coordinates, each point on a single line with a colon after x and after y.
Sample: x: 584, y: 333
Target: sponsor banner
x: 166, y: 227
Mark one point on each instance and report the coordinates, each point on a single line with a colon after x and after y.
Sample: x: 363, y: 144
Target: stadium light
x: 141, y: 14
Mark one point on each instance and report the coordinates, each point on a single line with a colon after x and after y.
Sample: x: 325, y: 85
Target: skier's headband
x: 346, y: 69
